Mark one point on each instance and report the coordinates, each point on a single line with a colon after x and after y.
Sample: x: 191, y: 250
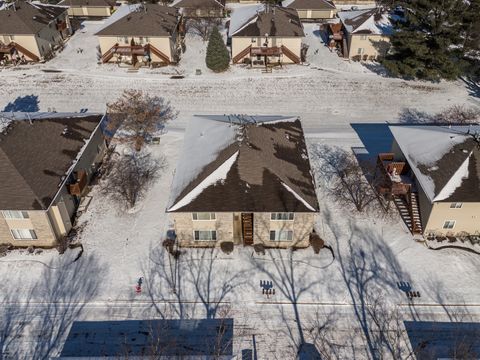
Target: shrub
x: 259, y: 248
x: 317, y: 243
x: 227, y: 247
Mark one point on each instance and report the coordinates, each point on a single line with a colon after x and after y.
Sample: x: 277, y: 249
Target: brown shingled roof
x: 277, y: 21
x: 270, y: 156
x: 35, y: 156
x: 148, y: 20
x: 25, y: 18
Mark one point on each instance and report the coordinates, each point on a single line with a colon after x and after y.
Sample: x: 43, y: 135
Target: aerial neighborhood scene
x: 240, y: 179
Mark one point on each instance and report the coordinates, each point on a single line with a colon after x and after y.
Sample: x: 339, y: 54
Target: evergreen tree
x: 427, y: 43
x: 218, y: 58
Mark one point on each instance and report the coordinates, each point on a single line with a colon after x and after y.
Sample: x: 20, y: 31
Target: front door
x: 247, y: 228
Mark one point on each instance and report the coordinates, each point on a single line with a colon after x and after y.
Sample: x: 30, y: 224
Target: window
x: 281, y: 216
x: 23, y: 234
x: 363, y: 37
x: 449, y: 224
x: 203, y: 216
x: 281, y: 235
x: 12, y: 214
x: 147, y: 39
x: 125, y: 40
x: 254, y: 40
x: 456, y: 205
x: 205, y: 235
x: 360, y: 51
x: 140, y: 39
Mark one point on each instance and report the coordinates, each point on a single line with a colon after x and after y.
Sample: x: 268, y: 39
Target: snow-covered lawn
x: 340, y: 103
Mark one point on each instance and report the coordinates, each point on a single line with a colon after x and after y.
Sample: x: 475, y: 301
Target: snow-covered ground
x: 340, y: 103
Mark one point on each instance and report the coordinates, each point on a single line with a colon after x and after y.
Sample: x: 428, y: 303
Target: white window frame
x: 363, y: 37
x: 456, y: 205
x: 212, y: 216
x: 15, y: 214
x: 277, y: 236
x: 446, y: 224
x: 360, y: 51
x: 17, y: 235
x: 274, y: 216
x: 213, y: 235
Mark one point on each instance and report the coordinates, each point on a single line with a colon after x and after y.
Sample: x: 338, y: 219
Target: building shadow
x: 189, y: 338
x: 27, y: 103
x: 375, y: 137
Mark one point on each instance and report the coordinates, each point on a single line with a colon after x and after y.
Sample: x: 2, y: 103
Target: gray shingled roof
x: 276, y: 22
x: 26, y: 18
x: 35, y: 156
x: 271, y: 171
x: 147, y: 20
x: 312, y: 5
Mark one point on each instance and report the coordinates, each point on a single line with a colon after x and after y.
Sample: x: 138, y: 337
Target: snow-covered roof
x: 444, y: 159
x: 119, y: 13
x: 243, y: 163
x: 368, y: 21
x: 243, y: 16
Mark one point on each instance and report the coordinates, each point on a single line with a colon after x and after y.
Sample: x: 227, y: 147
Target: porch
x: 265, y: 56
x: 136, y: 55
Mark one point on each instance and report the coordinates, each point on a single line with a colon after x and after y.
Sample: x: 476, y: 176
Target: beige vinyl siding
x: 37, y: 221
x: 467, y: 218
x: 165, y: 44
x: 29, y: 42
x: 316, y: 14
x: 89, y: 11
x: 373, y: 45
x: 294, y: 44
x: 229, y: 228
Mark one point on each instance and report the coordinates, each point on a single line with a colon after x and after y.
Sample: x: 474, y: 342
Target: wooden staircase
x: 158, y: 53
x: 242, y: 54
x: 24, y: 51
x: 109, y: 54
x: 288, y: 53
x: 409, y: 211
x: 247, y: 228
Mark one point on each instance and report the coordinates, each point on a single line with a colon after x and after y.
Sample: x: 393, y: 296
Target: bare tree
x: 129, y: 176
x: 343, y: 177
x: 203, y: 26
x: 455, y: 114
x: 138, y: 115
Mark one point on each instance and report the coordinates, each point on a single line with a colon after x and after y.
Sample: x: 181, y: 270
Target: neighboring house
x: 141, y: 34
x: 262, y: 36
x: 156, y: 339
x: 354, y: 2
x: 89, y: 8
x: 201, y: 8
x: 30, y: 31
x: 245, y: 180
x: 433, y: 175
x: 312, y: 9
x: 45, y: 164
x: 366, y: 33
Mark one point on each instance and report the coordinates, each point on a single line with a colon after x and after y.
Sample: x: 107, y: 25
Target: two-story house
x: 31, y: 31
x: 141, y: 34
x: 366, y: 33
x: 89, y: 8
x: 262, y: 35
x: 433, y: 174
x: 46, y: 161
x: 246, y: 180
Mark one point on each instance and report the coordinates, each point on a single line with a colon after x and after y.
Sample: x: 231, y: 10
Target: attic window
x: 456, y: 205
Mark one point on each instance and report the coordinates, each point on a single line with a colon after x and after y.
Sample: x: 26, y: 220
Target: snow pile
x: 241, y: 17
x: 200, y: 150
x: 4, y: 122
x: 456, y: 180
x: 220, y: 174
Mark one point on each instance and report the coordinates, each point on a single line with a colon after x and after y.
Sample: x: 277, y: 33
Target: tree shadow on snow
x: 34, y: 324
x: 27, y: 103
